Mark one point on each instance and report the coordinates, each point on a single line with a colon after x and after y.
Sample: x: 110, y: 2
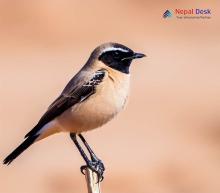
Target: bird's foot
x: 97, y: 167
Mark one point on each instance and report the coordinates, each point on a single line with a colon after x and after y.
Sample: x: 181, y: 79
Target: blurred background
x: 167, y: 140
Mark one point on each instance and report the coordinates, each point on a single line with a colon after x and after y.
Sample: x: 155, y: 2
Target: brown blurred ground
x: 168, y: 138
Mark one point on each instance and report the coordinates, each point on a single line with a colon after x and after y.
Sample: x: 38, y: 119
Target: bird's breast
x: 110, y: 97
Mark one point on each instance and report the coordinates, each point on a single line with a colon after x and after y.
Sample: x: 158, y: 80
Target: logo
x: 192, y: 13
x: 167, y: 14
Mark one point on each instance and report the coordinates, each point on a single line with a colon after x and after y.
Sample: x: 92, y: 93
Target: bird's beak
x: 138, y: 55
x: 134, y: 56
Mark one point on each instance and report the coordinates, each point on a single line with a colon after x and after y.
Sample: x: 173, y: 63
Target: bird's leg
x: 94, y: 164
x: 91, y: 153
x: 81, y: 151
x: 94, y: 158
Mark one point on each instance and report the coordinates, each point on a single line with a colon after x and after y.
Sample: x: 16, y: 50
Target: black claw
x: 97, y: 167
x: 100, y: 179
x: 82, y: 169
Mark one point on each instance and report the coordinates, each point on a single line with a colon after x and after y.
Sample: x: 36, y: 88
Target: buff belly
x: 99, y: 108
x: 96, y: 110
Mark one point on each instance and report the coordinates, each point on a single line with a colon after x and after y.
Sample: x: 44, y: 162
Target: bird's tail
x: 23, y: 146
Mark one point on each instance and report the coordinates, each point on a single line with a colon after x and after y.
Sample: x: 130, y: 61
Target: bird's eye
x: 116, y: 54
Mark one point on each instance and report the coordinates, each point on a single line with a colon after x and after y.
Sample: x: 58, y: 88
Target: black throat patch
x: 117, y: 59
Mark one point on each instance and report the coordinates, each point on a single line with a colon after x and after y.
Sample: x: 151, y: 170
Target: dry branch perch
x: 93, y: 184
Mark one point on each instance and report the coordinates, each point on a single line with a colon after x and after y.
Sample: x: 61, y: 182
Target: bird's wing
x: 71, y: 95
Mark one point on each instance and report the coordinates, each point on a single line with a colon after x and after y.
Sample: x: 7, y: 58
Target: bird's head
x: 116, y: 56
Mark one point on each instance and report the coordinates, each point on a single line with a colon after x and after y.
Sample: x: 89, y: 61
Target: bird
x: 94, y: 96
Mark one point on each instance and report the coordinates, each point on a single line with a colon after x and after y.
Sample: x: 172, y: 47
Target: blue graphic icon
x: 167, y: 14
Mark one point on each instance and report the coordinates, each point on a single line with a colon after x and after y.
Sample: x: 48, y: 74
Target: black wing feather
x: 71, y: 95
x: 68, y: 99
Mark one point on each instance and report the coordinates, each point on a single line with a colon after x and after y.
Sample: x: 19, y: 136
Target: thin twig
x: 93, y: 184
